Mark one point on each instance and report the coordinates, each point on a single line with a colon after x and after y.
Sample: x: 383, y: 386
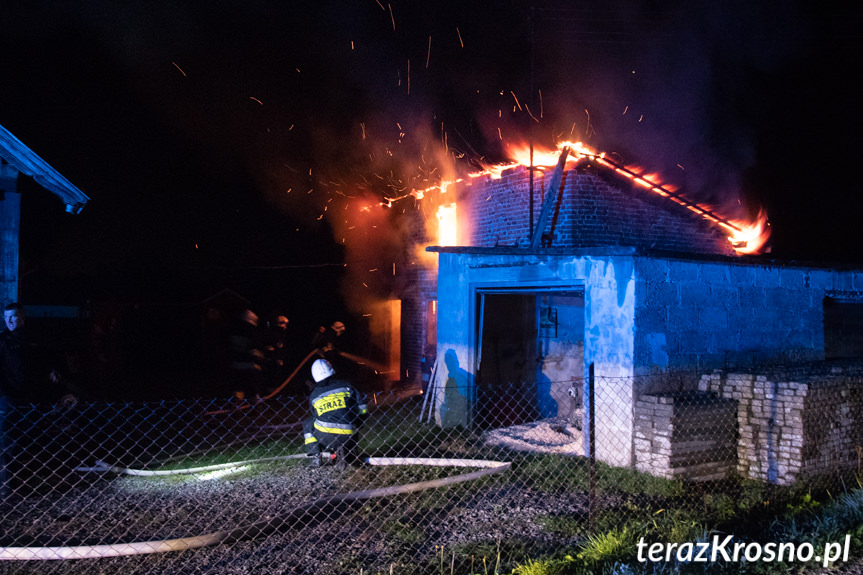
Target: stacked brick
x: 804, y: 427
x: 833, y: 425
x: 686, y: 436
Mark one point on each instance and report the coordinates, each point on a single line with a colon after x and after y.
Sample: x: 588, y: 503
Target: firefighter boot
x: 315, y: 461
x: 341, y: 462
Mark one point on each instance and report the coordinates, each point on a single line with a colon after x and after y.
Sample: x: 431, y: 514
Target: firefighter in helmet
x: 338, y: 410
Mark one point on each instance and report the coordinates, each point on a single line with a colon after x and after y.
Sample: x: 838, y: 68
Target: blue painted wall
x: 608, y: 282
x: 696, y: 314
x: 642, y: 315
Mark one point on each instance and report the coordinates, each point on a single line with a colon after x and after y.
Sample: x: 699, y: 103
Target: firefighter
x: 328, y: 341
x: 338, y: 410
x: 247, y: 359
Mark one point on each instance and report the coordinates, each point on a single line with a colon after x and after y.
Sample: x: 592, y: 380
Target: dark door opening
x: 843, y: 328
x: 530, y: 356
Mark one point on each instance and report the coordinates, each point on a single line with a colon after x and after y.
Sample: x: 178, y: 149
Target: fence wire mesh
x: 455, y: 480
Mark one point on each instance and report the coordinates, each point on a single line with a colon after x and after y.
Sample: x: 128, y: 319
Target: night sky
x: 232, y: 144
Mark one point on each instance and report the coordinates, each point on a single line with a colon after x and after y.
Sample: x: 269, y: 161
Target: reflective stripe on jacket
x: 335, y: 428
x: 337, y: 406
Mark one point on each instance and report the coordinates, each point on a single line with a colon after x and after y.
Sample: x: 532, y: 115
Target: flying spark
x: 514, y: 97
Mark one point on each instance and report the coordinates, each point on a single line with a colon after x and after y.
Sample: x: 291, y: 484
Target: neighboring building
x: 15, y: 159
x: 627, y: 281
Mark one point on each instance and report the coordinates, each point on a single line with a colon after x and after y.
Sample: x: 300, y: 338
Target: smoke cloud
x: 673, y: 87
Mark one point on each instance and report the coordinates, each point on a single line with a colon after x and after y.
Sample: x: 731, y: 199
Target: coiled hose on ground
x: 259, y: 527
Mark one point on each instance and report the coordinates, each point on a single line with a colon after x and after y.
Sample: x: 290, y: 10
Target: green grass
x: 614, y: 551
x: 249, y: 452
x: 403, y: 530
x: 629, y: 505
x: 487, y: 557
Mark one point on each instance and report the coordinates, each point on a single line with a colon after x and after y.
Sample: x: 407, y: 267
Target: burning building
x: 617, y: 271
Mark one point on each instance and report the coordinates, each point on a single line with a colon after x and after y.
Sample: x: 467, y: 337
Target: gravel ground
x: 375, y: 533
x: 365, y: 537
x: 852, y: 568
x: 411, y: 533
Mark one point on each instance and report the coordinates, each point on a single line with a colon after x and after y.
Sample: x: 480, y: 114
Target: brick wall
x: 594, y: 209
x: 415, y: 285
x: 415, y: 299
x: 686, y: 436
x: 794, y: 426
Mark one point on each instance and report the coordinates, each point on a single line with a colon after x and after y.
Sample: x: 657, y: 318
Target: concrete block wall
x: 593, y: 210
x: 704, y: 314
x: 609, y: 290
x: 793, y: 428
x: 411, y: 340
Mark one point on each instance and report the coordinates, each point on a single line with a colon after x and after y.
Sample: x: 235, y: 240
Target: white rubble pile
x: 554, y: 435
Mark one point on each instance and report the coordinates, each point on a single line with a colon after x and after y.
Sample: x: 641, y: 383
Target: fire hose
x: 262, y: 527
x: 101, y: 466
x: 275, y: 391
x: 356, y: 359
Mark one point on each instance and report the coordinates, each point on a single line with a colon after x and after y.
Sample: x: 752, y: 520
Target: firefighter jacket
x: 337, y: 407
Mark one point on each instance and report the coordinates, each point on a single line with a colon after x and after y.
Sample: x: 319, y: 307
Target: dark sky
x: 220, y: 139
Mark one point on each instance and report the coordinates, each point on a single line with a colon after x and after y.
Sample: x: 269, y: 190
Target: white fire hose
x: 101, y: 466
x: 258, y: 527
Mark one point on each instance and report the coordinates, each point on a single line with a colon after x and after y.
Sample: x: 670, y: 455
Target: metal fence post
x: 591, y: 422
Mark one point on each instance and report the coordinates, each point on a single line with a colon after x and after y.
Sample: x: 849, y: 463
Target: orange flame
x: 746, y: 236
x: 447, y: 224
x: 751, y: 236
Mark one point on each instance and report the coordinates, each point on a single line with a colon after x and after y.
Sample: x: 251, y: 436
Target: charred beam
x: 676, y: 197
x: 548, y: 202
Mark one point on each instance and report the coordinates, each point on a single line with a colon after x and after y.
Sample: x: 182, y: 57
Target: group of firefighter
x: 337, y: 407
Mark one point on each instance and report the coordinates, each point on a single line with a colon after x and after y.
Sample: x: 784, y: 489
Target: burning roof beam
x: 665, y: 192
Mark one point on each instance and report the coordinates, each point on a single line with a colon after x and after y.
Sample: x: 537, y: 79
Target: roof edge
x: 27, y: 162
x: 758, y: 260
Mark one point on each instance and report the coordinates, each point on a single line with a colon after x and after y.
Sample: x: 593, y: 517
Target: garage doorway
x: 530, y: 355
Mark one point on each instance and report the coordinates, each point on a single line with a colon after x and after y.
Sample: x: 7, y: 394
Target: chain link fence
x: 224, y: 486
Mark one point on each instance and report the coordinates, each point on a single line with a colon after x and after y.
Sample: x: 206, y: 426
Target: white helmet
x: 321, y: 370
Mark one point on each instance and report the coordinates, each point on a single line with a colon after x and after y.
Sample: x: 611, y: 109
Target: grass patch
x: 567, y: 526
x: 396, y: 434
x: 271, y: 448
x: 501, y: 556
x: 403, y: 530
x: 614, y: 550
x: 608, y: 546
x: 556, y: 473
